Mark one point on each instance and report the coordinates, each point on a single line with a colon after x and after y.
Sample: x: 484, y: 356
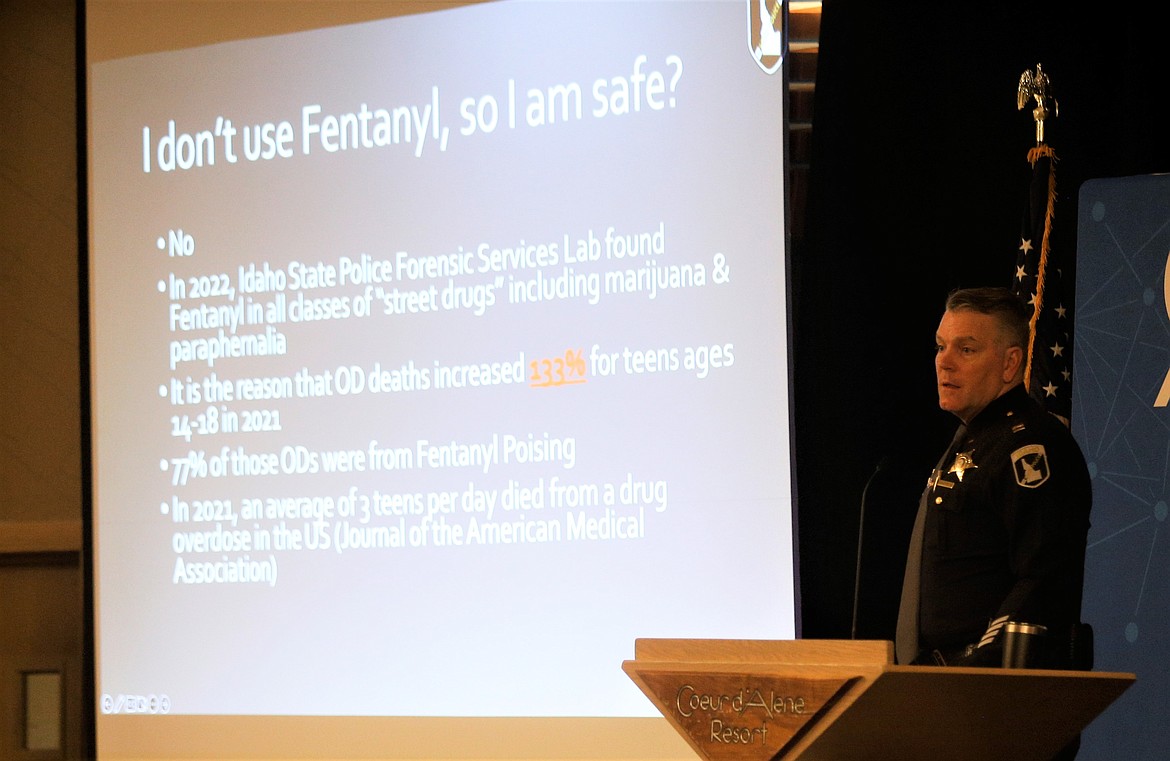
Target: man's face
x: 972, y: 362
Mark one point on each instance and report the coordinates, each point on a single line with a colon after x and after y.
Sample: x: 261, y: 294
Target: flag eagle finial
x: 1036, y: 86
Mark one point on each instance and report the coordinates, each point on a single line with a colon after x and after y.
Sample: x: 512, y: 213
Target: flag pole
x: 1035, y: 86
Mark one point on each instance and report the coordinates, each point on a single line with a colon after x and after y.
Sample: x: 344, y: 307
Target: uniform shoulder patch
x: 1030, y: 465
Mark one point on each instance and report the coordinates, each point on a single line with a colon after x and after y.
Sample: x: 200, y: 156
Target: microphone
x: 882, y: 465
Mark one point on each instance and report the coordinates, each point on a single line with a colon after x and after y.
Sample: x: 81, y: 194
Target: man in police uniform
x: 1002, y: 524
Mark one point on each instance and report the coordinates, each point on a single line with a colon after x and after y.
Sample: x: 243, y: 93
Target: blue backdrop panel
x: 1122, y: 358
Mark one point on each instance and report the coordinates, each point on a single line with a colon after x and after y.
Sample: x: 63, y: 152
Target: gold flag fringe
x: 1034, y: 155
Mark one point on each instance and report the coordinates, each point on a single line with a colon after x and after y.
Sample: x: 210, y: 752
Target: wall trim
x: 40, y: 536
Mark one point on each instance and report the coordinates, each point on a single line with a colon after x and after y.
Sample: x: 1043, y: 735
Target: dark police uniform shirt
x: 1006, y: 525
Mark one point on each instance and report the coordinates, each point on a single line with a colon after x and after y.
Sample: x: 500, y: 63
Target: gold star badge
x: 962, y: 464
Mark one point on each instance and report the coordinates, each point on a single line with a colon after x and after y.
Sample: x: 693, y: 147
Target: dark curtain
x: 918, y: 182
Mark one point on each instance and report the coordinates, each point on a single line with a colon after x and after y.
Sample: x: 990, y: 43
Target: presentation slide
x: 435, y: 359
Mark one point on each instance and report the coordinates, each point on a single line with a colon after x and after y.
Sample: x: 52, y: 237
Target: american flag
x: 1045, y: 280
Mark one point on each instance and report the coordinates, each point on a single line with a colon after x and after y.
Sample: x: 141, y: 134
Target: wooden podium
x: 845, y: 700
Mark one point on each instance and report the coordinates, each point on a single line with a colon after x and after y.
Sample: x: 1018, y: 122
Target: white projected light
x: 434, y: 360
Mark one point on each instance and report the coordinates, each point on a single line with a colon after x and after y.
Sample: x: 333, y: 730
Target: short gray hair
x: 1008, y: 309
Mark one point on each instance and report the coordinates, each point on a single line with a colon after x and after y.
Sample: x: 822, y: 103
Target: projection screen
x: 436, y: 355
